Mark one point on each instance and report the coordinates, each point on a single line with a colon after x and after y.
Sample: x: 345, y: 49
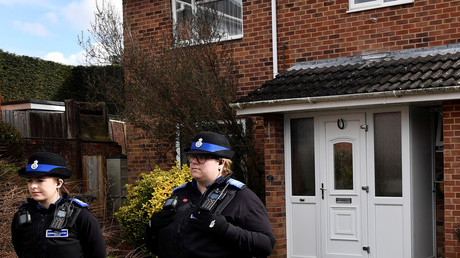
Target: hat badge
x: 199, y: 143
x: 35, y: 165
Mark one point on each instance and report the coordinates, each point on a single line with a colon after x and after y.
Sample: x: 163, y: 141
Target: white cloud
x: 75, y: 59
x: 35, y: 28
x: 12, y: 2
x: 81, y: 13
x: 56, y: 57
x: 52, y: 17
x: 118, y: 4
x: 41, y: 3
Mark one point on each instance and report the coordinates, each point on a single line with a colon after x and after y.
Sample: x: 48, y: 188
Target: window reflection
x: 343, y: 166
x: 387, y: 149
x: 302, y: 157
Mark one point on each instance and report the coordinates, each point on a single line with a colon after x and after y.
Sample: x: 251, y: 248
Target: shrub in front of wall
x: 11, y: 143
x: 146, y: 197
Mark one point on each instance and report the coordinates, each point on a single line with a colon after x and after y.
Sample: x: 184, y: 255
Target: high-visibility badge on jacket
x: 53, y: 234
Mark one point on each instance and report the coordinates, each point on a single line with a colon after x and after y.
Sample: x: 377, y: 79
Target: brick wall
x: 307, y: 31
x: 315, y: 30
x: 275, y: 200
x: 150, y: 20
x: 144, y: 155
x: 72, y: 150
x: 312, y: 30
x: 451, y: 126
x: 117, y: 133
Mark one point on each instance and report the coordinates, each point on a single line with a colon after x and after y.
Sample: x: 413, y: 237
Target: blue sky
x: 47, y: 29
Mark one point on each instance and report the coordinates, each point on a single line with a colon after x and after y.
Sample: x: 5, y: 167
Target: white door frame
x: 304, y: 231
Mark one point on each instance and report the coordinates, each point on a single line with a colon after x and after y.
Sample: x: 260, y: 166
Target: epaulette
x: 236, y: 183
x: 79, y: 202
x: 23, y: 204
x: 180, y: 187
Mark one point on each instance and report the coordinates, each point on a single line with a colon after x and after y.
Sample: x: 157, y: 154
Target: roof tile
x: 362, y: 76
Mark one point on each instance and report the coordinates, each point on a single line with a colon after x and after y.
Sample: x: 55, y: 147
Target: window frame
x: 352, y: 7
x: 193, y: 6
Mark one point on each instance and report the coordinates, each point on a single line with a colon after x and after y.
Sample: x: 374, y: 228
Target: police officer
x: 214, y: 215
x: 50, y: 223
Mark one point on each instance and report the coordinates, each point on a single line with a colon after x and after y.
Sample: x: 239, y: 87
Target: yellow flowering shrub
x: 146, y: 197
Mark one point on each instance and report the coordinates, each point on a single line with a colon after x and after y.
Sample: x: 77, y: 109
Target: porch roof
x: 407, y: 76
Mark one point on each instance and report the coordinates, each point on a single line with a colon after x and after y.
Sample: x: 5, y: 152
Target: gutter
x: 387, y: 95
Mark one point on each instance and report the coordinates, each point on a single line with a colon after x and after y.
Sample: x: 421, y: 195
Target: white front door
x: 343, y: 185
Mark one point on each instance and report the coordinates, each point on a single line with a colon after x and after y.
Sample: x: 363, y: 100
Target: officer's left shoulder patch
x: 236, y: 183
x: 24, y: 204
x: 79, y: 203
x: 180, y: 187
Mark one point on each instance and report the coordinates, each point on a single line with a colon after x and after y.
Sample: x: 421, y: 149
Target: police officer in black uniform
x: 214, y: 215
x: 51, y: 223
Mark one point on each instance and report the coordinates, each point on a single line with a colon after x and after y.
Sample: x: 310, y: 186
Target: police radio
x: 213, y: 198
x: 61, y: 214
x: 170, y: 203
x: 24, y: 216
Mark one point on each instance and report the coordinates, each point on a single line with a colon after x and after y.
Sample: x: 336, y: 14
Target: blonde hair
x: 227, y: 169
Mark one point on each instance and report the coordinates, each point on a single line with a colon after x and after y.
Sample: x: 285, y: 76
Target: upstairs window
x: 360, y: 5
x: 208, y: 19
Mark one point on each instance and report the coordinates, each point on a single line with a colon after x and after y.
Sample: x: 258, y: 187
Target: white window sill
x: 359, y: 8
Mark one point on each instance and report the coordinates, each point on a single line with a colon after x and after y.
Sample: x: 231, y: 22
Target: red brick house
x: 359, y: 129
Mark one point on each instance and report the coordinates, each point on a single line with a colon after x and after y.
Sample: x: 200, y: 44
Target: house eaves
x: 347, y: 101
x: 426, y: 75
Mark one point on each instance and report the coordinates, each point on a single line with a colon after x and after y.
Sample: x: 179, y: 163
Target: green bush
x: 11, y: 143
x: 146, y: 197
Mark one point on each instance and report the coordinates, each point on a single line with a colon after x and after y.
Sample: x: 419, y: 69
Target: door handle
x: 322, y: 190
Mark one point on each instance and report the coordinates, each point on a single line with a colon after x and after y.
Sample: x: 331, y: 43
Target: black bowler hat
x: 210, y: 143
x: 45, y: 164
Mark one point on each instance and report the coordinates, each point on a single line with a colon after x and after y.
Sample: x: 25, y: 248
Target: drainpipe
x: 274, y: 40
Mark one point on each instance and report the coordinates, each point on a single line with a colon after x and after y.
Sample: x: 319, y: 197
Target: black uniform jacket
x: 83, y: 239
x: 248, y: 235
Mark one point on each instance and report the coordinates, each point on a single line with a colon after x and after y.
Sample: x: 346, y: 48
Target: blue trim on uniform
x: 79, y: 202
x: 215, y: 181
x: 236, y: 183
x: 208, y: 147
x: 24, y: 204
x: 179, y: 187
x: 42, y: 168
